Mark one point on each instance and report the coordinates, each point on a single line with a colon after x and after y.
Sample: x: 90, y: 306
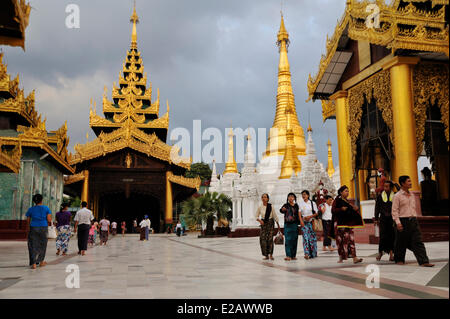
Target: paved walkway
x: 189, y: 267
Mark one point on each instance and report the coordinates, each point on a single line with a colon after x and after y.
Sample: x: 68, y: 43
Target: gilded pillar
x: 344, y: 144
x: 404, y: 125
x: 169, y: 200
x: 85, y: 190
x: 362, y: 186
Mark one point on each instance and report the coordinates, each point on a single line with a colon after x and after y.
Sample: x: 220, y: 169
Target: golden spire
x: 230, y: 165
x: 309, y: 127
x: 285, y: 99
x: 134, y: 19
x: 330, y: 167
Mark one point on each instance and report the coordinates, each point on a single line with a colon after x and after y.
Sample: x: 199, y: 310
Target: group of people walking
x: 86, y: 227
x: 394, y: 213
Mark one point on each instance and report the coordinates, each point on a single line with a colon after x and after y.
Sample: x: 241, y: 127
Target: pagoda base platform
x: 433, y: 228
x: 13, y: 229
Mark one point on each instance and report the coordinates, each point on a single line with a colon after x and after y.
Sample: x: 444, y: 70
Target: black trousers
x: 326, y: 229
x: 387, y: 234
x: 83, y: 235
x: 410, y: 238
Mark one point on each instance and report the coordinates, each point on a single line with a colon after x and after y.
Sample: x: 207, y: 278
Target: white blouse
x: 305, y: 207
x: 326, y: 215
x: 261, y: 213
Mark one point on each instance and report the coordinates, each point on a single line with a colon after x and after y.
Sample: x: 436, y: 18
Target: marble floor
x: 168, y: 266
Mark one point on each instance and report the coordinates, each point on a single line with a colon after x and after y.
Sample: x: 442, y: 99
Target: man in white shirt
x: 326, y: 222
x: 145, y: 224
x: 83, y: 219
x: 114, y: 228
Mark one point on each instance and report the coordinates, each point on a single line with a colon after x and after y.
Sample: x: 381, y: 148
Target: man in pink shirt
x: 408, y: 233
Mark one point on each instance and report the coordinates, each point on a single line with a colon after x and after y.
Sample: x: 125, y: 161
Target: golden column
x: 169, y: 199
x: 403, y: 118
x: 344, y: 143
x: 330, y: 166
x: 85, y: 190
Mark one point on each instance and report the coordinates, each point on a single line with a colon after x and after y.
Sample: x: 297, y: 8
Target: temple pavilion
x: 385, y: 80
x: 32, y: 159
x: 129, y: 170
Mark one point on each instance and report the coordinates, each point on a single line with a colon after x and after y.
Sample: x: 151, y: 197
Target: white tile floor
x: 188, y: 267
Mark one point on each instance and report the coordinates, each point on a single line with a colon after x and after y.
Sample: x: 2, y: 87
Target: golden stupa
x: 285, y: 104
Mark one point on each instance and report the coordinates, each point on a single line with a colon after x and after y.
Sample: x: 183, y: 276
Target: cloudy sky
x: 214, y: 60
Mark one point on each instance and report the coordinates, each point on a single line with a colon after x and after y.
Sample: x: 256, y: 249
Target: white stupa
x: 288, y: 165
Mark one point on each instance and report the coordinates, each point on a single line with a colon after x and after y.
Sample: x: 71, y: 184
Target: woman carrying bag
x: 266, y: 217
x: 309, y: 211
x: 292, y: 218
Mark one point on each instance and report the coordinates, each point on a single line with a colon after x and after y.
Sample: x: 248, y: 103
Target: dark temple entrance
x: 117, y: 207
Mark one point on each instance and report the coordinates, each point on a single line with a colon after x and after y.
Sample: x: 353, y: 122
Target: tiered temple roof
x: 21, y: 126
x: 14, y: 16
x: 131, y: 100
x: 131, y: 119
x: 415, y: 27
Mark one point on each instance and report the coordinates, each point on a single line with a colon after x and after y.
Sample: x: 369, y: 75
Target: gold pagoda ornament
x: 131, y: 103
x: 230, y: 165
x: 330, y: 167
x: 277, y: 142
x: 290, y: 164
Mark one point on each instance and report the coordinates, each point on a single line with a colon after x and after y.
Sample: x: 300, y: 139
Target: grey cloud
x: 213, y: 60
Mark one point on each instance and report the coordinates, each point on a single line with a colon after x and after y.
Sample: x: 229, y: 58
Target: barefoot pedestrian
x: 345, y: 217
x: 83, y: 219
x: 326, y: 222
x: 309, y: 211
x: 39, y: 217
x: 63, y: 226
x: 266, y: 216
x: 292, y: 218
x: 408, y: 233
x: 383, y: 219
x: 104, y: 230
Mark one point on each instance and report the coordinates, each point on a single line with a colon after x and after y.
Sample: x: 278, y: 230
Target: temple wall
x: 35, y: 176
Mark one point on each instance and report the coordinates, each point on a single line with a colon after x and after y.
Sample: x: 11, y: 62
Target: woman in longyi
x: 345, y: 217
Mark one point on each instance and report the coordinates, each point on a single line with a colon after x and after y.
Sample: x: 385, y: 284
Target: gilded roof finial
x: 134, y: 19
x: 283, y: 35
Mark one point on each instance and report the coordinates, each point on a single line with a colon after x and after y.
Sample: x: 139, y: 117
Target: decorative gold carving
x: 128, y: 160
x: 11, y: 159
x: 70, y: 179
x: 185, y: 181
x: 130, y: 136
x: 61, y: 140
x: 328, y: 109
x: 406, y: 27
x: 376, y: 87
x: 431, y: 85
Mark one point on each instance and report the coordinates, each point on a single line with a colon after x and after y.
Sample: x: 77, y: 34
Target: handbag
x: 316, y: 222
x: 279, y: 239
x: 51, y: 232
x: 317, y: 225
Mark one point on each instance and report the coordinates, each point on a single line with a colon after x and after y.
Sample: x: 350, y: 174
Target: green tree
x: 199, y: 169
x: 207, y: 208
